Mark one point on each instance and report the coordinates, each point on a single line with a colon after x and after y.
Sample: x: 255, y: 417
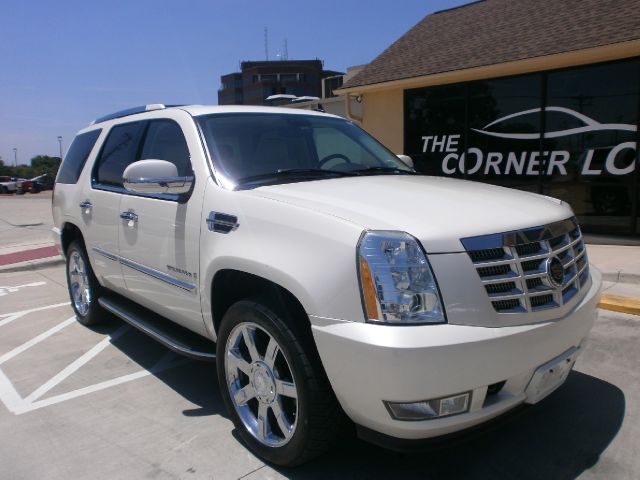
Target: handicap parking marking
x: 18, y: 405
x: 168, y: 361
x: 6, y: 290
x: 10, y: 317
x: 35, y: 340
x: 75, y: 365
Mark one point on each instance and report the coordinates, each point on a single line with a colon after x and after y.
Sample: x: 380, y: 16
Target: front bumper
x: 368, y: 364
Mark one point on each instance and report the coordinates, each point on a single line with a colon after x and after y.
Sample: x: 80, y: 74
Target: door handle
x: 129, y: 215
x: 86, y: 206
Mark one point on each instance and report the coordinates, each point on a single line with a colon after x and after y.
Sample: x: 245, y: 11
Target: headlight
x: 396, y: 281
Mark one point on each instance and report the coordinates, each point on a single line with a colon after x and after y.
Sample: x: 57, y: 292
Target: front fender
x: 310, y: 254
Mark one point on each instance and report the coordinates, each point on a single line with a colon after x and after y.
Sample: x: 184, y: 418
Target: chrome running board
x: 169, y: 334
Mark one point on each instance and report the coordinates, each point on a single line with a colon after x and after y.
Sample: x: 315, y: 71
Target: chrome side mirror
x: 407, y: 160
x: 155, y: 177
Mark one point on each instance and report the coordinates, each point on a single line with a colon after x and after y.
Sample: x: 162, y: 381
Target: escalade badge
x: 555, y: 271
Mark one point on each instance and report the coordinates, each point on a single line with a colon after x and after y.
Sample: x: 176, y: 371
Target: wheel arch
x: 68, y: 233
x: 230, y: 285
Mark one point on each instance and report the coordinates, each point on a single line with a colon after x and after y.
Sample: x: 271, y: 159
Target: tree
x: 45, y: 164
x: 4, y: 169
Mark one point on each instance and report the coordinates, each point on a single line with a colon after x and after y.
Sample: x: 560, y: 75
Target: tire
x: 301, y: 414
x: 4, y: 190
x: 84, y: 289
x: 35, y: 189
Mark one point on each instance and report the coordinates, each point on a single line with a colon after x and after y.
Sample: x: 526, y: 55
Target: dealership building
x: 542, y: 96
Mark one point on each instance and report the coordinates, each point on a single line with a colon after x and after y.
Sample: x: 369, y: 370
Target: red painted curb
x: 26, y: 255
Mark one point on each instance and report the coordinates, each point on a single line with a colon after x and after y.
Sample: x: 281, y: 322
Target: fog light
x: 428, y: 409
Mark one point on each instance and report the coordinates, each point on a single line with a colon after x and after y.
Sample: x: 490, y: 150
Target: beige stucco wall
x: 383, y: 117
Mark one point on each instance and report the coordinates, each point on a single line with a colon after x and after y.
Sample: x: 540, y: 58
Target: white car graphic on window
x: 590, y: 125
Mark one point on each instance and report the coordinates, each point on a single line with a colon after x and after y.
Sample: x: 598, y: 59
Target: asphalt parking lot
x: 111, y: 403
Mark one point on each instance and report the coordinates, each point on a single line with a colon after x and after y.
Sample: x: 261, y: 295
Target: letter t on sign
x: 438, y: 144
x: 425, y: 143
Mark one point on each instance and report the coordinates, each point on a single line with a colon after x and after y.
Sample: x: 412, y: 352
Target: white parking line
x: 6, y: 290
x: 76, y: 364
x: 18, y: 405
x: 162, y: 365
x: 10, y: 317
x: 9, y: 395
x: 34, y: 341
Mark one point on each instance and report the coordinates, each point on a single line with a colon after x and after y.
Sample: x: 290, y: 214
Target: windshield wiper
x: 364, y: 171
x: 295, y: 172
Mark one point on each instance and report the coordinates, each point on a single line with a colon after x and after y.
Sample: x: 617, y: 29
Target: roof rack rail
x: 130, y: 111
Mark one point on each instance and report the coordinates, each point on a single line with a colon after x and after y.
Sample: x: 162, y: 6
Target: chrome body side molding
x: 176, y: 282
x: 106, y: 254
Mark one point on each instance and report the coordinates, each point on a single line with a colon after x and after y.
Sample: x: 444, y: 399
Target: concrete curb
x: 32, y: 264
x: 621, y: 277
x: 618, y: 303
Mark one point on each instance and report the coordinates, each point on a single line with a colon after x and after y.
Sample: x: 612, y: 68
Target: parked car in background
x: 41, y: 182
x: 23, y: 186
x: 35, y: 185
x: 7, y: 184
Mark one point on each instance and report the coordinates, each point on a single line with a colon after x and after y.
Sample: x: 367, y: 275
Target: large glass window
x: 119, y: 151
x: 251, y: 145
x: 164, y: 140
x: 504, y: 131
x: 129, y: 142
x: 591, y: 124
x: 568, y: 133
x: 435, y: 128
x: 77, y: 156
x: 334, y: 146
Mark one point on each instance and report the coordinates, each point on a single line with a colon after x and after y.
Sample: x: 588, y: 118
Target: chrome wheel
x: 79, y: 283
x: 261, y: 384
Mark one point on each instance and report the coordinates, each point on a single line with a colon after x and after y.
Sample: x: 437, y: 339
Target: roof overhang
x: 604, y: 53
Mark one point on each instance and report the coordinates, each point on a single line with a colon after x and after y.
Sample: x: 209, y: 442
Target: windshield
x: 252, y: 149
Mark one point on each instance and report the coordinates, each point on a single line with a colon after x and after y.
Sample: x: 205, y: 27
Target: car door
x: 100, y: 202
x: 159, y: 234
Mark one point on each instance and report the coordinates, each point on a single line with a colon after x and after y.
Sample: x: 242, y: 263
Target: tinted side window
x: 77, y: 156
x: 118, y: 152
x: 165, y: 141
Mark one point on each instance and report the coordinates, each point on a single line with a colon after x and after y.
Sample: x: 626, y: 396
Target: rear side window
x: 118, y: 152
x: 165, y: 141
x: 77, y: 156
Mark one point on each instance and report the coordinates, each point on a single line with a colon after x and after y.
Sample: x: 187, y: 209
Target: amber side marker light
x: 369, y: 291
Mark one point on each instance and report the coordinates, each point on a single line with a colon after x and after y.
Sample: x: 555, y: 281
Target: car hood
x: 438, y: 211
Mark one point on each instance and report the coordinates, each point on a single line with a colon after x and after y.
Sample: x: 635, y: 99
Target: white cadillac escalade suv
x: 324, y: 274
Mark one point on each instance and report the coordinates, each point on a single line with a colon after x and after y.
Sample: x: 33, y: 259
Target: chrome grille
x: 512, y: 266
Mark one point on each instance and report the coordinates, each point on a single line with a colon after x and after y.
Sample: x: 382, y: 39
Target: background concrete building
x: 261, y: 79
x: 543, y: 96
x: 331, y: 103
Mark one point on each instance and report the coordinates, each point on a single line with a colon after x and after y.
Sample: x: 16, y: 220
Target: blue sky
x: 65, y: 63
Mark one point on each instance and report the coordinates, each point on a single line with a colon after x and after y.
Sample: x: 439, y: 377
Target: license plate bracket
x: 550, y: 376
